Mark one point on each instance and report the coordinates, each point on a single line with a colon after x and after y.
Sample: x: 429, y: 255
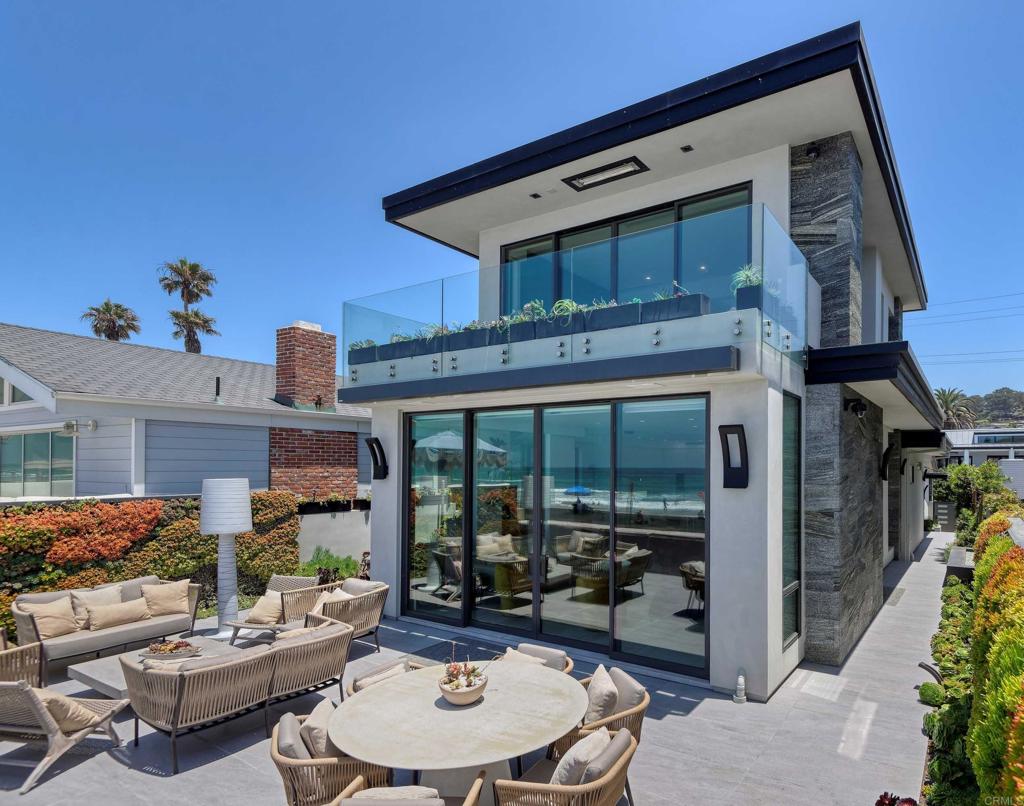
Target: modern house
x: 1005, y: 446
x: 86, y: 417
x: 671, y: 417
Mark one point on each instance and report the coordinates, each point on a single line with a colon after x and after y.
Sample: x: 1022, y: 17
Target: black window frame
x: 613, y: 222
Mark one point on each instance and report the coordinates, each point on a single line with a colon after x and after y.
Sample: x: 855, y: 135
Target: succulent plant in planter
x: 677, y: 304
x: 362, y: 351
x: 747, y: 286
x: 565, y: 315
x: 603, y: 315
x: 465, y: 337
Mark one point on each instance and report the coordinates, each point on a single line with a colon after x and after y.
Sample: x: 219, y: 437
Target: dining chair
x: 415, y: 796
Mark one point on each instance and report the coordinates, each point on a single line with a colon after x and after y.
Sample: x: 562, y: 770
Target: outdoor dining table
x: 405, y: 723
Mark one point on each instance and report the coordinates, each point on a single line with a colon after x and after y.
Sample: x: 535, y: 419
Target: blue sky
x: 258, y: 139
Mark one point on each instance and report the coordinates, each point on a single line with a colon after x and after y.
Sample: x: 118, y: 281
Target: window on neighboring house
x: 40, y: 464
x: 11, y: 394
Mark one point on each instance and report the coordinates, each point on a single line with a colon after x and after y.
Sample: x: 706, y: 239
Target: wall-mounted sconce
x: 903, y: 467
x: 735, y: 468
x: 855, y: 405
x: 377, y: 457
x: 71, y: 427
x: 883, y: 468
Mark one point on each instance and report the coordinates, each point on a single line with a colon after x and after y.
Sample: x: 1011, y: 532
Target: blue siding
x: 180, y: 455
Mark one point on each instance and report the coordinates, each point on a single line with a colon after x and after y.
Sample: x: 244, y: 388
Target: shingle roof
x: 69, y: 363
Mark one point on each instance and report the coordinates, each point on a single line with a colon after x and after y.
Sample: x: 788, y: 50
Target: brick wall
x: 313, y: 463
x: 306, y: 364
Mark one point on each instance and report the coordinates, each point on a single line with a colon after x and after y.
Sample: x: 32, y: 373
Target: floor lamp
x: 226, y: 511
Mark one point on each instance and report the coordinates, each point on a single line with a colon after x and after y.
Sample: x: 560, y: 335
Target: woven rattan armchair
x: 298, y: 596
x: 24, y: 717
x: 316, y: 781
x: 359, y: 784
x: 363, y: 611
x: 605, y: 791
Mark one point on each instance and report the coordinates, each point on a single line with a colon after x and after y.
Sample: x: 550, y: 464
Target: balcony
x: 719, y: 292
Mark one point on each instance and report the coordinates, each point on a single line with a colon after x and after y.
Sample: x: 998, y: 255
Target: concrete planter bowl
x: 463, y: 696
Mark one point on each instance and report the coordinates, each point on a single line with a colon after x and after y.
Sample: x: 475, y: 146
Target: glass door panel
x: 647, y: 257
x: 434, y: 544
x: 528, y: 274
x: 585, y: 263
x: 575, y: 485
x: 715, y: 244
x: 502, y: 539
x: 661, y: 477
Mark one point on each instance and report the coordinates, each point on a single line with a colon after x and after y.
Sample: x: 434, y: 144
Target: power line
x: 978, y: 352
x: 975, y: 361
x: 976, y: 299
x: 961, y: 321
x: 969, y: 313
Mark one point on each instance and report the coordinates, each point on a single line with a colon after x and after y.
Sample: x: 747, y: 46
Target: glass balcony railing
x: 728, y: 277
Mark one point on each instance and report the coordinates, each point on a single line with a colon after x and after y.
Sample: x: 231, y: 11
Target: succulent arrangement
x: 460, y: 676
x: 170, y: 648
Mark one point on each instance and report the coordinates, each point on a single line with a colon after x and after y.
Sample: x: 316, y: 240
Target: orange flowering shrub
x: 104, y: 532
x: 89, y: 578
x: 990, y: 527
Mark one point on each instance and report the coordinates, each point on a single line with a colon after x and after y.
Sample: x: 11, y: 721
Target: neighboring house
x: 1003, y: 445
x: 745, y: 433
x: 86, y: 417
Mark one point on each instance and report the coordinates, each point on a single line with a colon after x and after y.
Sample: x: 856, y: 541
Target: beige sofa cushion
x: 298, y: 631
x: 381, y: 673
x: 166, y: 599
x: 572, y: 766
x: 210, y: 661
x: 80, y: 601
x: 52, y: 618
x: 69, y: 714
x: 521, y: 657
x: 336, y: 595
x: 553, y: 658
x: 354, y: 586
x: 103, y: 616
x: 268, y: 610
x: 81, y: 642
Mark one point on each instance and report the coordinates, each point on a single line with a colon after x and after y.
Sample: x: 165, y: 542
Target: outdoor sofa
x: 181, y: 698
x: 298, y: 597
x: 84, y: 641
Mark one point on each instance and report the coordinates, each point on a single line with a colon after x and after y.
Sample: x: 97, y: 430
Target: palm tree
x: 112, y: 321
x: 190, y: 280
x: 956, y: 409
x: 190, y: 325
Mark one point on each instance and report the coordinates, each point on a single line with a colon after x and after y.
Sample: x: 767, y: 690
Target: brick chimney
x: 306, y: 363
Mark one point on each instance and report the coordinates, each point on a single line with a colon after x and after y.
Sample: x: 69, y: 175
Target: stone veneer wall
x: 894, y: 482
x: 842, y: 488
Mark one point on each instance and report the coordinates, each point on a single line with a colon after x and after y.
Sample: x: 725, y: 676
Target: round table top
x: 404, y: 722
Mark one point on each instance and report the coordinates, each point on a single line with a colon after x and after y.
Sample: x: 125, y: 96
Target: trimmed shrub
x: 1012, y: 784
x: 932, y: 694
x: 1003, y: 587
x: 991, y: 551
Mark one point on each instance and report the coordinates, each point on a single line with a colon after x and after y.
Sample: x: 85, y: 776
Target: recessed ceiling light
x: 686, y: 149
x: 647, y: 278
x: 534, y: 195
x: 703, y: 268
x: 605, y: 174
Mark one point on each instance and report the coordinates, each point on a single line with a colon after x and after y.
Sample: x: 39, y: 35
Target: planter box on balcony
x: 470, y: 338
x: 613, y: 316
x: 556, y: 326
x: 362, y: 355
x: 408, y: 348
x: 662, y: 310
x: 749, y: 296
x: 521, y: 331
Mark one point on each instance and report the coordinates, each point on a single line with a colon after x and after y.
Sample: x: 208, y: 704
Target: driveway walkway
x: 836, y: 736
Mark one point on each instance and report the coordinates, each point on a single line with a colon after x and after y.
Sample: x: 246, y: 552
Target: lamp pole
x: 226, y: 511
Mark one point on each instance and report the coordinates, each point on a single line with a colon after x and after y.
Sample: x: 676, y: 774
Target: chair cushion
x: 80, y: 601
x: 336, y: 595
x: 268, y: 610
x: 570, y: 768
x: 354, y: 586
x: 554, y: 658
x: 397, y: 793
x: 320, y: 633
x: 389, y: 801
x: 629, y: 692
x: 599, y: 767
x: 53, y: 618
x: 69, y: 714
x: 284, y: 635
x: 211, y: 661
x: 83, y: 641
x: 167, y: 599
x: 114, y: 615
x: 289, y: 740
x: 380, y: 673
x: 314, y: 731
x: 602, y: 694
x: 521, y: 657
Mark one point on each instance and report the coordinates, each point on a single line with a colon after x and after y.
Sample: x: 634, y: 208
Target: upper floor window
x: 11, y: 395
x: 999, y: 439
x: 696, y: 244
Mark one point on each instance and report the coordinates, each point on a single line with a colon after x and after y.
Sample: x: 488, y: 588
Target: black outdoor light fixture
x: 735, y: 468
x: 812, y: 152
x: 855, y: 405
x: 377, y: 457
x: 606, y: 173
x: 883, y: 468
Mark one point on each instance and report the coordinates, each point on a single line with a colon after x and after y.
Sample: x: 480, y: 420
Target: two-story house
x: 671, y: 418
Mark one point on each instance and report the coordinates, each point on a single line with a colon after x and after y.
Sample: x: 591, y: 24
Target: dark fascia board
x: 676, y: 362
x: 824, y: 55
x: 929, y: 438
x: 886, y: 361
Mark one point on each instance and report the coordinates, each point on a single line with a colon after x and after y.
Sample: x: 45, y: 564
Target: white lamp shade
x: 226, y: 507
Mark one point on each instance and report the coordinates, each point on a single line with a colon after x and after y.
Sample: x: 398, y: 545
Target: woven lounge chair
x: 316, y: 781
x: 364, y: 610
x: 298, y: 596
x: 24, y: 717
x: 360, y: 783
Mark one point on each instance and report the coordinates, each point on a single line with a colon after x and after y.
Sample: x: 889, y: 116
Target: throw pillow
x: 602, y: 695
x: 521, y: 657
x: 269, y: 609
x: 52, y: 618
x: 577, y: 758
x: 289, y: 740
x: 397, y: 793
x: 629, y: 692
x: 103, y: 616
x: 80, y: 600
x: 67, y: 712
x: 336, y: 595
x: 169, y: 599
x: 314, y: 731
x: 553, y: 658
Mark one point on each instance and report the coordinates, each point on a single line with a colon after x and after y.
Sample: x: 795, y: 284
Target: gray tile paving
x: 829, y: 735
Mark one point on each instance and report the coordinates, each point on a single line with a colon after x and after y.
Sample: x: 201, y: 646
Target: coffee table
x: 105, y: 676
x: 405, y: 723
